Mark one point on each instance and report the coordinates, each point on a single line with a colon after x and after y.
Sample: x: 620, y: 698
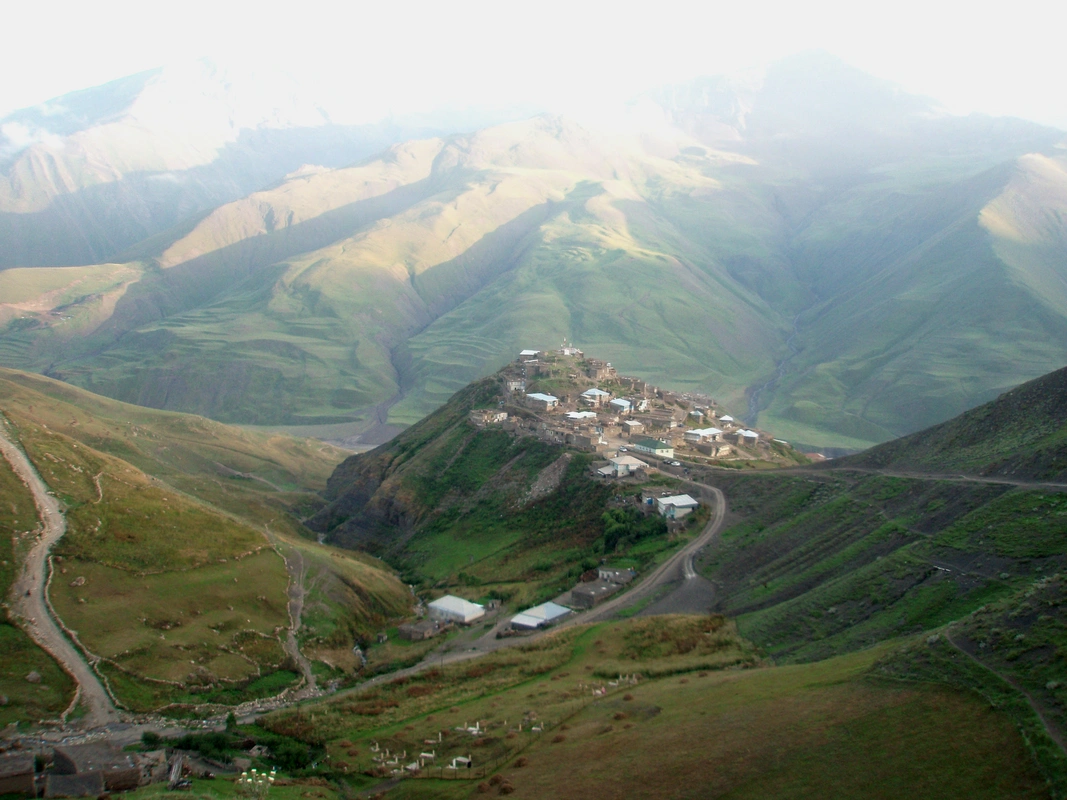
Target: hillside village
x: 563, y: 397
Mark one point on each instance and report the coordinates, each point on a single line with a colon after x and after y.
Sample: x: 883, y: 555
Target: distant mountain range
x: 840, y: 261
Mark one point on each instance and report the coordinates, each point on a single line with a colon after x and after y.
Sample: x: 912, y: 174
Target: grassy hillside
x: 171, y: 570
x: 888, y: 268
x: 452, y: 506
x: 820, y: 564
x: 1020, y: 435
x: 23, y: 701
x: 826, y: 729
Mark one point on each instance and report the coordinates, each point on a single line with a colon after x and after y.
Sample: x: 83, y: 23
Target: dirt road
x: 28, y: 603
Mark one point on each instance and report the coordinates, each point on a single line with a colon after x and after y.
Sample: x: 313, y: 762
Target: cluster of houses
x: 83, y: 770
x: 615, y: 407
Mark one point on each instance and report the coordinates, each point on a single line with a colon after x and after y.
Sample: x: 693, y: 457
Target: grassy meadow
x: 708, y: 717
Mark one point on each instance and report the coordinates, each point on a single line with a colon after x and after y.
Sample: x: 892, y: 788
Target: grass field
x: 700, y: 730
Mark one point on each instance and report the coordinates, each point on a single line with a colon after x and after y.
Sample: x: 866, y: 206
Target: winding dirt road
x: 29, y: 605
x: 679, y: 567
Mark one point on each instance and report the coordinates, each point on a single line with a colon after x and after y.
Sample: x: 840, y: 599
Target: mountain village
x: 565, y: 398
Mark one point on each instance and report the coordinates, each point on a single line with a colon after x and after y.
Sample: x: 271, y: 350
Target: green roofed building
x: 655, y: 447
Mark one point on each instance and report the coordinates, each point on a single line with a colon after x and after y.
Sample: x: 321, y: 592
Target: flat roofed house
x: 455, y: 609
x: 618, y: 575
x: 621, y: 466
x: 527, y: 355
x: 595, y: 397
x: 587, y: 595
x: 698, y: 435
x: 419, y: 630
x: 655, y: 447
x: 16, y: 774
x: 539, y: 616
x: 632, y: 426
x: 515, y: 385
x: 579, y: 415
x: 539, y: 400
x: 676, y: 506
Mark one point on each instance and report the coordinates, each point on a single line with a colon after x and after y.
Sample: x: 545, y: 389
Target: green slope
x: 847, y: 261
x: 177, y: 529
x: 1021, y: 435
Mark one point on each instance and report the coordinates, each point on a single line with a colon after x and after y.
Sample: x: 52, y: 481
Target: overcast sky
x: 998, y: 58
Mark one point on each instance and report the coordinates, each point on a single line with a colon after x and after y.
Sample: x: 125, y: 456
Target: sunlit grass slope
x: 167, y: 571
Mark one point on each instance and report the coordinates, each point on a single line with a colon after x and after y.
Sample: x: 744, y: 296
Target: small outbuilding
x: 587, y: 595
x: 419, y: 630
x: 455, y: 609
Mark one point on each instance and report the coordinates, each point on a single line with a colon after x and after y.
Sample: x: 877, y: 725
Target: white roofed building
x: 539, y: 616
x: 621, y: 406
x: 580, y: 415
x: 622, y: 466
x: 539, y: 400
x: 455, y: 609
x: 703, y: 435
x: 676, y: 506
x: 595, y: 397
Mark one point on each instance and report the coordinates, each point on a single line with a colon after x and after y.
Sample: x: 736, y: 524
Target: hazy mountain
x: 846, y: 261
x: 85, y: 175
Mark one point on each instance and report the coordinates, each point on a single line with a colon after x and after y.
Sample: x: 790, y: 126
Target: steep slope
x: 837, y: 558
x: 1021, y: 435
x: 174, y: 529
x: 497, y: 510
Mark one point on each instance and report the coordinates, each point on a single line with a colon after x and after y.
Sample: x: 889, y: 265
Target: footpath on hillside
x: 29, y: 604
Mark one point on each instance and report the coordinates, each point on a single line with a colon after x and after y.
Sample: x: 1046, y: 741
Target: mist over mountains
x: 842, y: 261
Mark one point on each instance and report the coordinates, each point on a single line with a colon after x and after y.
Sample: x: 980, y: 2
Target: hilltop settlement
x: 565, y: 398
